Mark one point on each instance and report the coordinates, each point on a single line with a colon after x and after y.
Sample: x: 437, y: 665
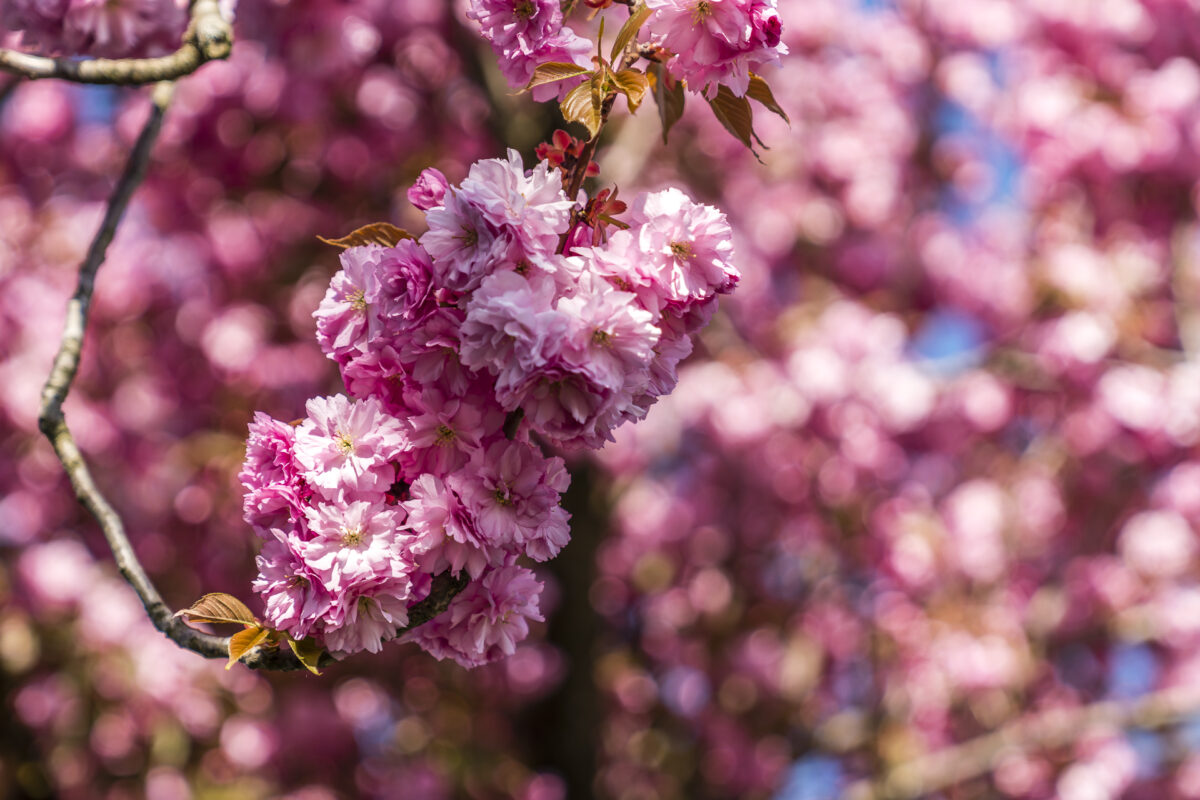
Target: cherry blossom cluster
x: 459, y: 351
x: 715, y: 42
x: 526, y: 34
x: 703, y: 42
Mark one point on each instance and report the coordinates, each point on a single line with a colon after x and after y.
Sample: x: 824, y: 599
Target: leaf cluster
x: 218, y: 608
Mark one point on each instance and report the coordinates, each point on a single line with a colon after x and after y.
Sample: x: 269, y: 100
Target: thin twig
x: 209, y: 37
x: 53, y: 424
x: 1046, y: 730
x: 66, y: 363
x: 577, y: 177
x: 589, y: 149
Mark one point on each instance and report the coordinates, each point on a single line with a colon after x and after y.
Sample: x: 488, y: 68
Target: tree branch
x: 1046, y: 730
x: 53, y: 424
x: 209, y: 37
x: 66, y: 363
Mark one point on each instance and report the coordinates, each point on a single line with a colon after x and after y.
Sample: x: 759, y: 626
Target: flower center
x: 601, y: 338
x: 469, y: 237
x: 445, y: 436
x: 297, y: 582
x: 501, y: 495
x: 523, y: 9
x: 352, y: 537
x: 682, y: 250
x: 702, y: 11
x: 358, y: 300
x: 343, y: 442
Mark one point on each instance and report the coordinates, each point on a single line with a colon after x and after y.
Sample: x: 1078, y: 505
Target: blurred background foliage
x: 932, y: 470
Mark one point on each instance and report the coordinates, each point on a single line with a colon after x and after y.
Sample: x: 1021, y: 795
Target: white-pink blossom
x: 346, y: 447
x: 717, y: 41
x: 445, y: 534
x: 511, y: 490
x: 486, y: 621
x: 511, y: 327
x: 688, y: 245
x: 356, y: 544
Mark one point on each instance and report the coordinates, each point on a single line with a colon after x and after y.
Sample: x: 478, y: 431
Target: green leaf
x: 244, y: 641
x: 629, y: 29
x: 552, y: 72
x: 383, y: 233
x: 633, y: 84
x: 736, y: 115
x: 218, y: 607
x: 308, y: 651
x: 761, y: 92
x: 580, y: 105
x: 668, y: 96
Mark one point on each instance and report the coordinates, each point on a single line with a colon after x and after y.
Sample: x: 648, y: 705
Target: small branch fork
x: 1046, y: 730
x: 209, y: 37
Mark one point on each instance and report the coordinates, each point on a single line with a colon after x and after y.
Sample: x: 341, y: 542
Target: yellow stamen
x: 445, y: 436
x: 682, y: 250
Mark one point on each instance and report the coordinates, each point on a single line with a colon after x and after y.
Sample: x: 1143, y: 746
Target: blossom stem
x: 209, y: 37
x: 589, y: 149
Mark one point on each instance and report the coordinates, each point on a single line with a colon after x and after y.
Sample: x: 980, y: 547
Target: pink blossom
x: 355, y: 544
x: 445, y: 532
x: 381, y: 374
x: 106, y: 28
x: 674, y: 345
x: 531, y: 205
x: 689, y: 245
x: 486, y: 621
x: 511, y: 327
x: 275, y: 491
x: 116, y: 28
x: 524, y: 35
x: 269, y: 453
x: 464, y: 246
x: 512, y: 491
x: 369, y: 619
x: 403, y: 292
x: 621, y: 263
x: 344, y: 316
x: 521, y: 25
x: 718, y: 41
x: 430, y: 352
x: 429, y: 189
x: 296, y: 597
x: 768, y: 27
x: 611, y: 337
x: 447, y: 430
x: 344, y: 446
x: 564, y: 404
